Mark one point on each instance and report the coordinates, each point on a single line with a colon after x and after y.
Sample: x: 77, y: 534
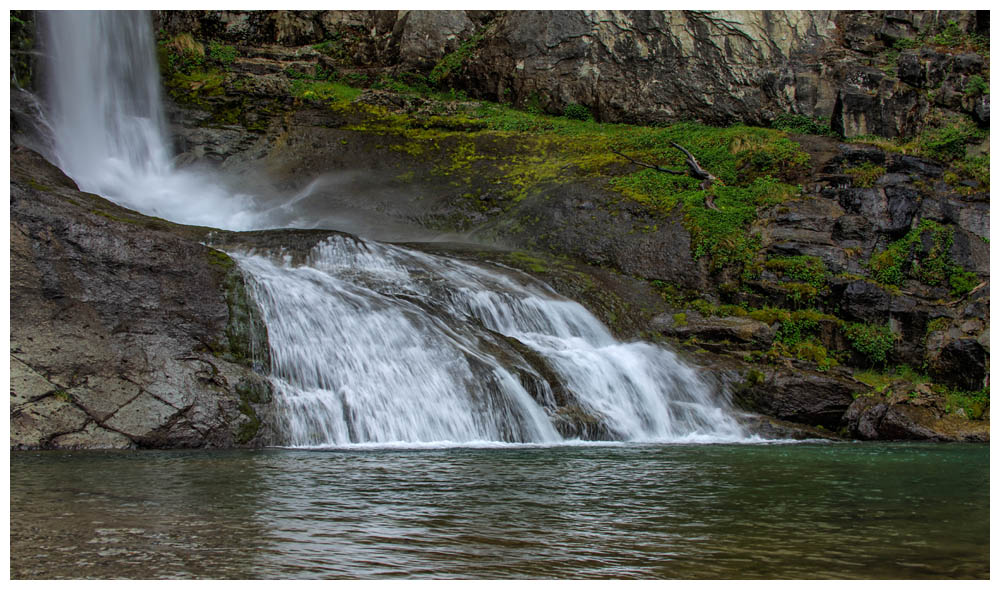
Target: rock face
x: 718, y: 67
x: 125, y: 331
x: 910, y: 415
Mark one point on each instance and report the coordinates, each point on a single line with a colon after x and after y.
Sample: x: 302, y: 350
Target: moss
x: 323, y: 91
x: 245, y: 333
x: 938, y: 324
x: 972, y: 403
x: 39, y: 186
x: 680, y: 320
x: 528, y: 261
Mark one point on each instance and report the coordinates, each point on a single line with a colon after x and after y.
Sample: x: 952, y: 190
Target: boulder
x: 802, y: 396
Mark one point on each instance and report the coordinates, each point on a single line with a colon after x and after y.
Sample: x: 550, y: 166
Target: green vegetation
x: 325, y: 91
x: 804, y: 269
x: 793, y: 123
x: 872, y: 341
x: 938, y: 324
x: 181, y: 54
x: 578, y: 112
x: 952, y: 36
x: 972, y: 403
x: 680, y: 320
x: 976, y: 86
x: 866, y: 174
x: 224, y: 55
x: 454, y: 61
x: 910, y: 257
x: 879, y: 381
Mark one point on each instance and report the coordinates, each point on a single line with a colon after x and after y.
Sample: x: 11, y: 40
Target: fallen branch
x: 694, y: 170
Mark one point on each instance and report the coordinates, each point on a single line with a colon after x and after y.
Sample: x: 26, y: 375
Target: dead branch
x: 694, y: 170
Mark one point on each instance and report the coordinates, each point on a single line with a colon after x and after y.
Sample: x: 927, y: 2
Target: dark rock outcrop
x: 904, y: 413
x: 801, y: 396
x: 125, y: 331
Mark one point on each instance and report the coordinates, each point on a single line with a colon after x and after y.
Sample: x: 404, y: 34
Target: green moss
x: 322, y: 90
x: 220, y: 259
x: 680, y: 320
x: 528, y: 261
x: 38, y: 186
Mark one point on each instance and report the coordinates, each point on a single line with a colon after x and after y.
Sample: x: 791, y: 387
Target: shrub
x: 872, y: 341
x: 222, y: 54
x: 794, y: 123
x: 577, y: 112
x: 976, y: 86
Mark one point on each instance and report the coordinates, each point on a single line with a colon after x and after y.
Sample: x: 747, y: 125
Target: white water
x: 106, y: 114
x: 370, y: 344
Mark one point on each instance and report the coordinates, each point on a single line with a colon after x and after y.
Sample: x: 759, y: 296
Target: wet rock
x: 959, y: 362
x: 427, y: 35
x: 117, y: 320
x: 735, y: 333
x: 908, y: 412
x: 92, y: 437
x: 802, y: 396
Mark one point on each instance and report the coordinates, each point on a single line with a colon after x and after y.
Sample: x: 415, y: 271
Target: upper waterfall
x: 107, y: 117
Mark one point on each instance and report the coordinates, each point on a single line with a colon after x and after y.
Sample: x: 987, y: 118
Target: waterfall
x: 370, y: 343
x: 106, y: 114
x: 373, y: 343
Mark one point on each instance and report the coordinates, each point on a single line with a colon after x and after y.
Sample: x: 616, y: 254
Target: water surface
x: 612, y: 511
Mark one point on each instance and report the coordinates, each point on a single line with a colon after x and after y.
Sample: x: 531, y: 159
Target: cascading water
x: 107, y: 118
x: 371, y: 343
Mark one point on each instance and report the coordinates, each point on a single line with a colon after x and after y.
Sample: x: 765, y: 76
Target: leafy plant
x: 934, y: 266
x: 455, y: 60
x: 872, y: 341
x: 224, y: 55
x: 795, y: 123
x: 976, y: 86
x: 578, y: 112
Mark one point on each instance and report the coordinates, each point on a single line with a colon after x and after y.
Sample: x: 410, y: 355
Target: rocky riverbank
x: 841, y: 289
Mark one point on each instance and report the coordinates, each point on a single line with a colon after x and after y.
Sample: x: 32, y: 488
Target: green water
x: 708, y: 511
